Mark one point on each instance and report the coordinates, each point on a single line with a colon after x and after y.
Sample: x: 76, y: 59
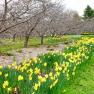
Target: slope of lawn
x: 83, y: 82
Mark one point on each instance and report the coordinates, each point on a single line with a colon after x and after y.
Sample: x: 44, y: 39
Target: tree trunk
x: 14, y: 37
x: 29, y: 33
x: 20, y: 37
x: 53, y: 34
x: 26, y: 40
x: 42, y: 40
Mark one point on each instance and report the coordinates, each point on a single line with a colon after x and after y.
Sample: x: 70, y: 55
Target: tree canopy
x: 88, y: 12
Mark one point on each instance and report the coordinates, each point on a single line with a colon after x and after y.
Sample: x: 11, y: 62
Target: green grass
x: 83, y: 82
x: 7, y: 45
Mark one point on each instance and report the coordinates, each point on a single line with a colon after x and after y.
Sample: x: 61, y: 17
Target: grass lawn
x: 7, y: 45
x: 83, y: 82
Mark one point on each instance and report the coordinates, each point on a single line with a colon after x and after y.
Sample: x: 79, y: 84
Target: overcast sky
x: 78, y: 5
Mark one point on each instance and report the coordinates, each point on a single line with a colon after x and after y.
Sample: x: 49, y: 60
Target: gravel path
x: 28, y: 53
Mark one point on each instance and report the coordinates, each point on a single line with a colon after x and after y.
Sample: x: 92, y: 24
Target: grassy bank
x: 83, y: 82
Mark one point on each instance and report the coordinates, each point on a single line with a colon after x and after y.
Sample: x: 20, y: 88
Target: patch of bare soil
x: 27, y: 53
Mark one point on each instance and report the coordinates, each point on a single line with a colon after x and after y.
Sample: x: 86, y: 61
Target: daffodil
x: 0, y: 73
x: 30, y: 77
x: 1, y: 66
x: 42, y: 79
x: 36, y: 86
x: 5, y: 84
x: 9, y: 89
x: 37, y: 70
x: 6, y: 75
x: 20, y: 77
x: 45, y: 64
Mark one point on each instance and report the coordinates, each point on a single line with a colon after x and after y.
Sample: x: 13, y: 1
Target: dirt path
x: 28, y: 53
